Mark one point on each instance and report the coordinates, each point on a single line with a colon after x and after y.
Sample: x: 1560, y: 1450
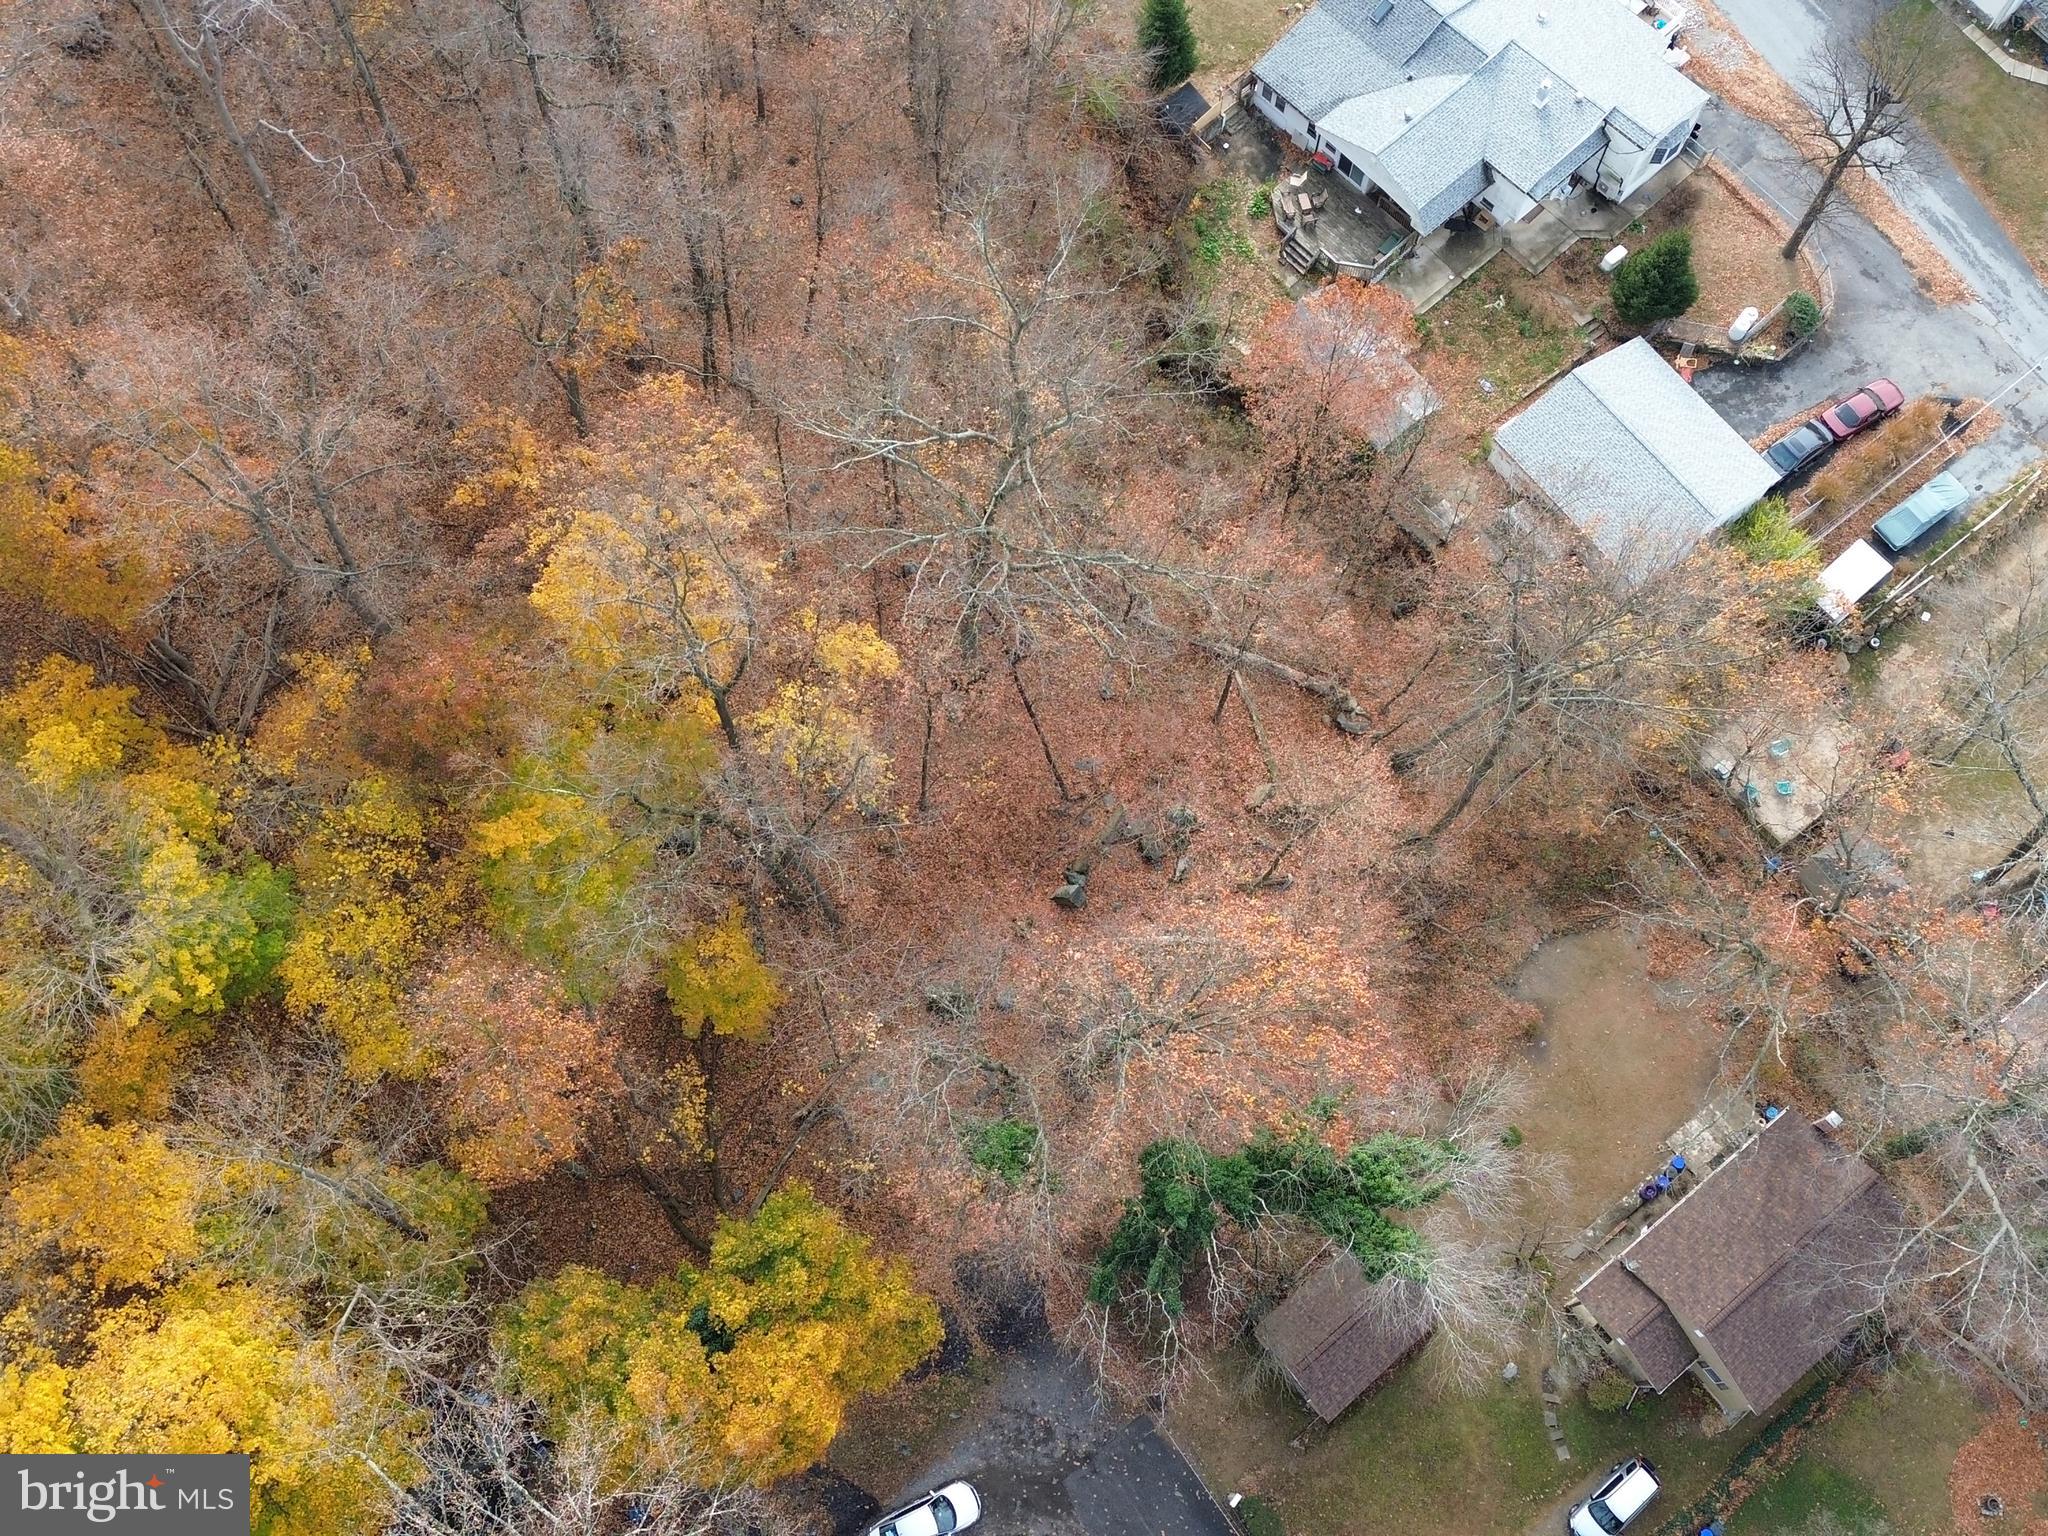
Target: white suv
x: 1622, y: 1495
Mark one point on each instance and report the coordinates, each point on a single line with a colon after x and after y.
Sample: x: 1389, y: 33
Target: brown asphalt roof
x: 1760, y: 1258
x: 1337, y: 1334
x: 1746, y: 1218
x: 1630, y: 1311
x: 1783, y: 1328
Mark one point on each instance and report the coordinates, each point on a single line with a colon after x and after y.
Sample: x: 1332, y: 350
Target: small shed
x: 1850, y: 577
x: 1338, y: 1334
x: 1184, y: 111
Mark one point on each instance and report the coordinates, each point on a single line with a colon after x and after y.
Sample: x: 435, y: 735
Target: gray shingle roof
x: 1337, y: 52
x: 1383, y: 86
x: 1625, y: 448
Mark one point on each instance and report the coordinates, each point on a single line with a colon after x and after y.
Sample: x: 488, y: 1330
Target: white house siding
x: 1996, y: 12
x: 1626, y: 166
x: 1366, y: 173
x: 1508, y: 203
x: 1283, y: 114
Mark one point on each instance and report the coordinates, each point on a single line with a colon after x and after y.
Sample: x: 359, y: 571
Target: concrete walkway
x: 2000, y: 57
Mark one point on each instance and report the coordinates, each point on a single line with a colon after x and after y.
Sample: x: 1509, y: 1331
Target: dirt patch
x: 2006, y: 1461
x: 1616, y: 1069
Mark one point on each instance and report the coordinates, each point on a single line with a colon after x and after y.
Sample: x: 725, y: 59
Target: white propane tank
x: 1744, y: 324
x: 1614, y: 258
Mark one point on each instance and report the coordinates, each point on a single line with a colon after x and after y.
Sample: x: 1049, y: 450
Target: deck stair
x: 1297, y: 255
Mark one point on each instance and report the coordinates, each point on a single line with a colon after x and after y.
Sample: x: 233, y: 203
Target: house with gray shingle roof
x: 1629, y: 452
x: 1441, y: 105
x: 1748, y: 1281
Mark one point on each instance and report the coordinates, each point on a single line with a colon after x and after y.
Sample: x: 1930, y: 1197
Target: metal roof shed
x: 1850, y: 577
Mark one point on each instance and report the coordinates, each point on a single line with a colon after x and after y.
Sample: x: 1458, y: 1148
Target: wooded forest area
x: 669, y: 683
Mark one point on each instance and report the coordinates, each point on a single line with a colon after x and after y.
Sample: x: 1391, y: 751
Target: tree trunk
x: 1824, y: 194
x: 346, y: 27
x: 1045, y: 746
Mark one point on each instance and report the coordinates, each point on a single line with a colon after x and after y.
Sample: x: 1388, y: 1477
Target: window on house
x: 1714, y: 1376
x: 1344, y: 164
x: 1279, y: 101
x: 1265, y: 90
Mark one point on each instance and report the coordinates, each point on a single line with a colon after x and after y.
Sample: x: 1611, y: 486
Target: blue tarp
x: 1921, y: 511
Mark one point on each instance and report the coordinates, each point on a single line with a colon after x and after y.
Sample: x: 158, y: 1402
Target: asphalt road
x: 1883, y: 324
x: 1049, y: 1461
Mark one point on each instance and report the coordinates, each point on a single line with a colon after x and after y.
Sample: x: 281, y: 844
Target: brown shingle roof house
x: 1752, y: 1278
x: 1337, y: 1333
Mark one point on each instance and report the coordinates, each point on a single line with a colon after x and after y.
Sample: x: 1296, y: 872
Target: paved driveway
x: 1882, y: 322
x: 1049, y: 1461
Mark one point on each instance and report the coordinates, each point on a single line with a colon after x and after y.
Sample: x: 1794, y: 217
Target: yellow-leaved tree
x: 117, y: 1202
x: 742, y: 1369
x: 716, y: 979
x: 645, y: 567
x: 56, y: 547
x: 124, y: 910
x: 213, y: 1365
x: 370, y: 903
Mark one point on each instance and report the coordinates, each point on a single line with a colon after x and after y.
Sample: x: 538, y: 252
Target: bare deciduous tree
x: 1864, y: 79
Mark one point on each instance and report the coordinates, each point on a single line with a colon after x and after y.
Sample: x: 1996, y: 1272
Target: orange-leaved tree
x: 1329, y: 385
x: 523, y: 1069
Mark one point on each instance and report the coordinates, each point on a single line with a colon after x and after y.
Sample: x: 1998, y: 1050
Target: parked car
x: 952, y: 1508
x: 1622, y: 1495
x: 1799, y: 447
x: 1920, y: 511
x: 1873, y: 402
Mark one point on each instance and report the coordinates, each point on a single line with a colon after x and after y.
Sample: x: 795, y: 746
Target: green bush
x: 1802, y: 313
x: 1167, y: 38
x: 1657, y: 282
x: 1258, y: 1517
x: 1511, y: 1138
x: 1187, y: 1192
x: 1609, y: 1392
x: 1262, y: 201
x: 1006, y: 1148
x: 1765, y: 533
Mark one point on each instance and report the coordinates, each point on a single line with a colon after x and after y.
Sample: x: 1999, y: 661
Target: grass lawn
x: 1497, y: 329
x: 1411, y: 1461
x: 1232, y: 33
x: 1882, y: 1463
x: 1993, y: 127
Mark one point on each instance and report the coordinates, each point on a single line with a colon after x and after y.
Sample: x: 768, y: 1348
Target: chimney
x: 1543, y: 93
x: 1407, y: 116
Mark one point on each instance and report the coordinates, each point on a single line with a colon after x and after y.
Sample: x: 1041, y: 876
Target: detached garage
x: 1624, y: 448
